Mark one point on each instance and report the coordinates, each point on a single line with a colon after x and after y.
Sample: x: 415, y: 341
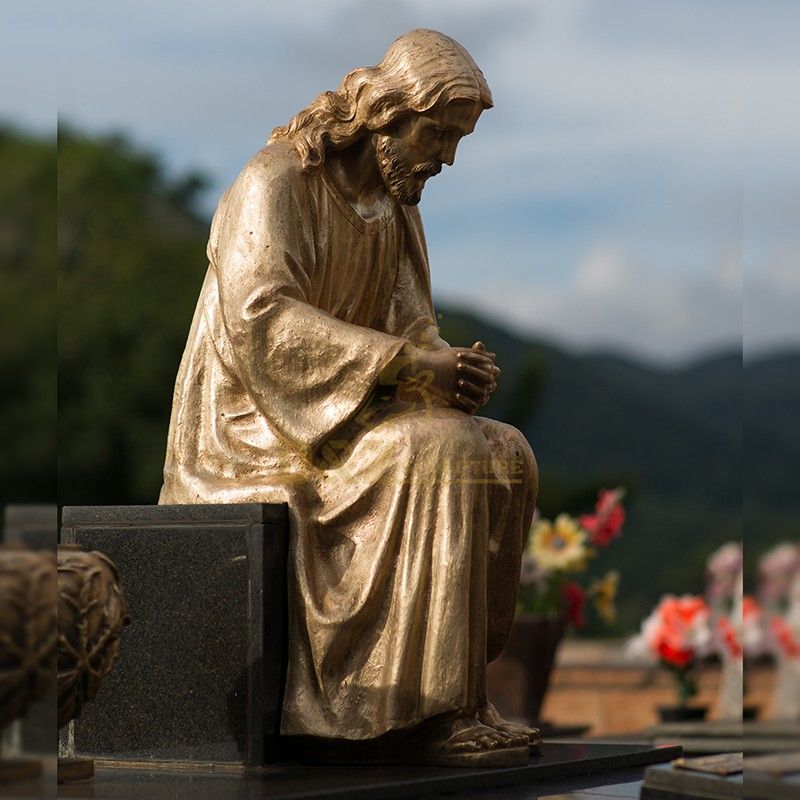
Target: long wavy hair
x: 422, y: 71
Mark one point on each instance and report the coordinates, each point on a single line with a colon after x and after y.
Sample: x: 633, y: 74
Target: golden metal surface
x: 314, y: 373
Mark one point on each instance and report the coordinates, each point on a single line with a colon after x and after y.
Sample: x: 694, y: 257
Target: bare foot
x: 466, y: 734
x: 522, y: 735
x: 462, y: 740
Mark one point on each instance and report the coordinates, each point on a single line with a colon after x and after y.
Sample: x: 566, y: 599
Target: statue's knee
x: 511, y: 446
x: 445, y: 433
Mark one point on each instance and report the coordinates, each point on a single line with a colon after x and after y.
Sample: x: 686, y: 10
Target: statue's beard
x: 404, y: 182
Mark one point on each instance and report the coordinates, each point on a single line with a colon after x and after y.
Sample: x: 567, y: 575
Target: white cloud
x: 772, y: 303
x: 615, y: 121
x: 613, y: 302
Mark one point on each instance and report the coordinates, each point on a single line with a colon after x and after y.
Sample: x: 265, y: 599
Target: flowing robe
x: 407, y: 517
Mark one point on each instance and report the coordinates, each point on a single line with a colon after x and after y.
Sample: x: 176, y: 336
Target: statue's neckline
x: 363, y: 225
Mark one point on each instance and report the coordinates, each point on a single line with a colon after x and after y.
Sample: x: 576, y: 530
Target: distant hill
x: 771, y: 409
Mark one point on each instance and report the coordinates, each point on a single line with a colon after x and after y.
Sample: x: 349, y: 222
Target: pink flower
x: 606, y: 523
x: 777, y: 570
x: 724, y: 568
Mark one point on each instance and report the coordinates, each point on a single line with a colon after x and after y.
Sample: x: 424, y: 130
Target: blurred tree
x: 28, y: 315
x: 131, y: 250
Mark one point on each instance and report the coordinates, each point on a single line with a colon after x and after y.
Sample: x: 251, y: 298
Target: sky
x: 636, y: 186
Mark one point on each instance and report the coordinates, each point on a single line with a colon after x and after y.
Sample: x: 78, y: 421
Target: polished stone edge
x: 222, y: 513
x: 559, y: 761
x: 461, y: 780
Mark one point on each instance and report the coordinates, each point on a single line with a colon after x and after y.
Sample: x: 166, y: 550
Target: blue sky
x: 638, y: 170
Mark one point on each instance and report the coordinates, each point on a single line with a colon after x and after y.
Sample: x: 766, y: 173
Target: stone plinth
x: 201, y: 667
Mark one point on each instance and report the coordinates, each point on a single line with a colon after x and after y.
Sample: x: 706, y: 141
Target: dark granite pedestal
x: 560, y: 768
x: 201, y: 667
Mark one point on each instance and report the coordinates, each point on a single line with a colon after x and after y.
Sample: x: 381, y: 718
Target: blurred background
x: 622, y: 229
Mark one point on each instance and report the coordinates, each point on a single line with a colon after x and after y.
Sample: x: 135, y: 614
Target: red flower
x: 677, y: 630
x: 677, y: 656
x: 750, y: 607
x: 575, y: 601
x: 606, y: 523
x: 785, y: 637
x: 729, y: 637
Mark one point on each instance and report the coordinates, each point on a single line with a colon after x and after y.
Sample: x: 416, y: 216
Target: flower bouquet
x: 779, y: 590
x: 677, y: 635
x: 560, y: 550
x: 779, y: 595
x: 551, y: 598
x: 725, y: 594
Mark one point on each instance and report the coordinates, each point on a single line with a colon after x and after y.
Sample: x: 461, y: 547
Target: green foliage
x: 685, y: 681
x: 28, y: 315
x: 131, y: 261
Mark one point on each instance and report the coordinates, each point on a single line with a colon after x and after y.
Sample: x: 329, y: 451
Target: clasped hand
x: 464, y: 377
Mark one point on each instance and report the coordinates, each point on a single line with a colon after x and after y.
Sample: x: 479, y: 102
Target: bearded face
x: 415, y: 148
x: 404, y: 178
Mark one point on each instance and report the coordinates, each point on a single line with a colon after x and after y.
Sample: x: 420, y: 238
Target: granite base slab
x: 201, y: 667
x: 547, y: 773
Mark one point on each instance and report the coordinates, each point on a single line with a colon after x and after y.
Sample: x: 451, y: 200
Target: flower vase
x: 533, y: 643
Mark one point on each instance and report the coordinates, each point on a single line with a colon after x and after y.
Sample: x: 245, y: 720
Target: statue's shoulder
x: 276, y: 164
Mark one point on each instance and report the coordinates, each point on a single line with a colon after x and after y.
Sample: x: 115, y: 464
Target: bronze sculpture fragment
x: 314, y: 373
x: 92, y: 613
x: 27, y: 641
x: 27, y: 628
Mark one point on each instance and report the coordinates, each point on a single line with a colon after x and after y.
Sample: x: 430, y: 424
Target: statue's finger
x: 483, y: 377
x: 481, y: 359
x: 466, y: 404
x: 470, y: 389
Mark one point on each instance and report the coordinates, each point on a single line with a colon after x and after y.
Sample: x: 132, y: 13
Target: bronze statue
x: 314, y: 373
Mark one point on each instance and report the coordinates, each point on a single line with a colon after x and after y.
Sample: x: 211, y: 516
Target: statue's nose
x: 447, y: 152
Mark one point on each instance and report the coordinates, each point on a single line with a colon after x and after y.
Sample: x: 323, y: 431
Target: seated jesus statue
x: 314, y: 374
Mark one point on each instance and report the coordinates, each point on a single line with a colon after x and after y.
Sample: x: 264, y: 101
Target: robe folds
x: 407, y: 517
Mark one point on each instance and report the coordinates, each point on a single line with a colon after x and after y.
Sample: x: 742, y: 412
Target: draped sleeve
x: 307, y: 371
x: 411, y: 312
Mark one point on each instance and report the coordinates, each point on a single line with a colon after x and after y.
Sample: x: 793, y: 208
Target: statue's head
x: 425, y: 94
